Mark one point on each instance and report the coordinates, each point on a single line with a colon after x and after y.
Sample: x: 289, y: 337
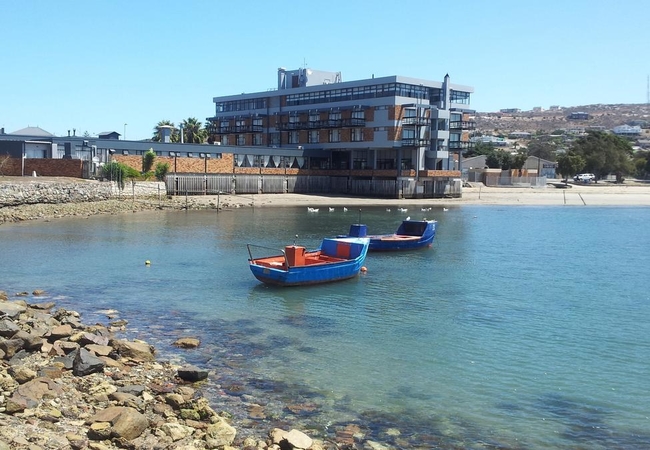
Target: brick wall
x: 43, y: 167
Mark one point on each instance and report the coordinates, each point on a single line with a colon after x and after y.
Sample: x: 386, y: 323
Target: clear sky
x: 97, y: 65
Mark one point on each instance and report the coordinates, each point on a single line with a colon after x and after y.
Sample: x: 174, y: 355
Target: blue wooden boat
x: 411, y: 234
x: 336, y: 259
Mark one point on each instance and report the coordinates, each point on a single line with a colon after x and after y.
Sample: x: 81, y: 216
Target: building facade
x: 389, y: 127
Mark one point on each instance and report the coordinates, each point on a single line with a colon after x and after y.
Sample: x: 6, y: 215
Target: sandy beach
x: 602, y: 194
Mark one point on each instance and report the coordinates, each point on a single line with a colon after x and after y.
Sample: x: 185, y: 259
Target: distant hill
x: 607, y: 116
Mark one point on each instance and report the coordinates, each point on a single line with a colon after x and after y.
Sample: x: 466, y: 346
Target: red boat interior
x: 297, y: 256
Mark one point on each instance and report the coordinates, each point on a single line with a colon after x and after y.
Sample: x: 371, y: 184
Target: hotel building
x: 391, y: 127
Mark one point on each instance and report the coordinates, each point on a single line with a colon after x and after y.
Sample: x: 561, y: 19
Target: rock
x: 126, y: 422
x: 38, y: 292
x: 31, y: 342
x: 60, y: 332
x: 22, y: 374
x: 8, y: 328
x: 298, y: 439
x: 100, y: 350
x: 176, y: 431
x: 42, y: 306
x: 187, y: 342
x: 86, y: 363
x: 29, y: 394
x: 11, y: 346
x: 11, y: 309
x: 192, y: 373
x: 136, y: 351
x: 219, y: 434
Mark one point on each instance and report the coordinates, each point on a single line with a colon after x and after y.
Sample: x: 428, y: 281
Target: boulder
x: 136, y: 351
x: 187, y: 342
x: 192, y: 373
x: 125, y: 422
x: 219, y: 434
x: 8, y: 328
x: 86, y: 363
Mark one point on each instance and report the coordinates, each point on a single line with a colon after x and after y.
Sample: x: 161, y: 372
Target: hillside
x: 607, y: 116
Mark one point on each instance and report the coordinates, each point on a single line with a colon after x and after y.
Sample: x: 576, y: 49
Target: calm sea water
x: 523, y: 327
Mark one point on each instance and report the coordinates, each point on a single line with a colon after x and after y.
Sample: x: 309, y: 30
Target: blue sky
x: 95, y: 66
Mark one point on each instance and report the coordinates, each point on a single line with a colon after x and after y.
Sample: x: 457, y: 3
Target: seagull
x: 426, y: 209
x: 408, y: 218
x: 344, y: 209
x: 387, y: 209
x: 402, y: 209
x: 445, y: 209
x: 310, y: 209
x: 331, y: 209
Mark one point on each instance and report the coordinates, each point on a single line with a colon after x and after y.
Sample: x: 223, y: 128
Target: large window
x: 257, y: 139
x: 274, y: 139
x: 357, y: 135
x: 241, y: 139
x: 293, y: 137
x: 314, y: 137
x: 335, y: 136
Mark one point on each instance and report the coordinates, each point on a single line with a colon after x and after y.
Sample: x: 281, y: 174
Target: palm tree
x: 193, y: 131
x: 175, y: 137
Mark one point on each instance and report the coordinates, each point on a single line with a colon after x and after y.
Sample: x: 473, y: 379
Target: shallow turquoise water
x: 523, y: 327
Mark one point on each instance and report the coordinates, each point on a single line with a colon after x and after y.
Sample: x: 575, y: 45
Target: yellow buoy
x: 147, y: 263
x: 364, y: 269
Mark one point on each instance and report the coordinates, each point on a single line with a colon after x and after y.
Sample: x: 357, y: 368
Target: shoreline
x: 602, y: 194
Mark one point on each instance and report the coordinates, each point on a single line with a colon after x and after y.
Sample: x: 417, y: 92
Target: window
x: 335, y: 136
x: 257, y: 139
x: 274, y: 138
x: 314, y: 117
x: 357, y: 135
x: 241, y: 139
x: 125, y: 152
x: 190, y: 155
x: 224, y: 140
x: 358, y: 114
x: 410, y: 112
x: 408, y: 133
x: 335, y: 116
x: 314, y: 137
x: 294, y: 119
x: 224, y: 124
x: 359, y: 160
x: 293, y: 137
x: 257, y: 122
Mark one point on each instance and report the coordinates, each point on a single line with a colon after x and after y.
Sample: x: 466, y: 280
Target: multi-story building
x: 377, y: 128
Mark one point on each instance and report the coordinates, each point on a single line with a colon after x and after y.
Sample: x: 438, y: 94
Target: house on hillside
x: 109, y: 135
x: 578, y: 116
x: 627, y: 130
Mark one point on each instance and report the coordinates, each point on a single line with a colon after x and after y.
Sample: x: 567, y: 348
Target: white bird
x: 344, y: 209
x: 426, y: 209
x: 387, y: 209
x: 445, y: 209
x: 331, y: 209
x: 408, y: 218
x: 310, y: 209
x: 402, y: 209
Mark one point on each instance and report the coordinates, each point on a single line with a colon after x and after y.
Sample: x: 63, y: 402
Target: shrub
x: 162, y: 168
x: 147, y: 160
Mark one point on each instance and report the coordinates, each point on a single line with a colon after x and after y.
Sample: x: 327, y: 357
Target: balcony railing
x: 460, y: 145
x: 462, y: 125
x: 416, y: 121
x: 321, y: 124
x: 415, y: 142
x: 235, y: 129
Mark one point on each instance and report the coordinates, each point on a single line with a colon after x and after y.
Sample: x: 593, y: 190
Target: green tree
x: 605, y: 153
x: 162, y: 168
x: 175, y: 136
x: 542, y: 147
x: 480, y: 148
x: 519, y: 160
x: 568, y: 164
x: 147, y: 160
x: 193, y: 131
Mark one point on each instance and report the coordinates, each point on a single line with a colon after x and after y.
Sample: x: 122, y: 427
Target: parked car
x: 585, y: 177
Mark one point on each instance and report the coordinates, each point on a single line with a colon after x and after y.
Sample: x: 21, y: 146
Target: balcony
x: 422, y: 121
x: 415, y: 142
x: 235, y: 129
x: 460, y: 145
x: 462, y: 125
x: 321, y: 124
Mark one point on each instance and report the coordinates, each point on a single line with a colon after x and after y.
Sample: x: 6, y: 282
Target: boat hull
x: 411, y: 235
x: 325, y: 265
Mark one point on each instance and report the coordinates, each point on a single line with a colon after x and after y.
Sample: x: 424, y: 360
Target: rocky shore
x: 67, y: 385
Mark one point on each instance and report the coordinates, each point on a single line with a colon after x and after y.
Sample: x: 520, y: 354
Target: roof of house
x: 33, y: 131
x: 108, y: 132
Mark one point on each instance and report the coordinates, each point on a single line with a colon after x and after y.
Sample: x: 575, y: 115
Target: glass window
x: 293, y: 137
x: 335, y: 135
x: 314, y: 137
x: 241, y: 139
x: 357, y: 135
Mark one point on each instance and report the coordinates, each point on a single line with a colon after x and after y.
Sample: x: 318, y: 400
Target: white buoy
x: 147, y: 263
